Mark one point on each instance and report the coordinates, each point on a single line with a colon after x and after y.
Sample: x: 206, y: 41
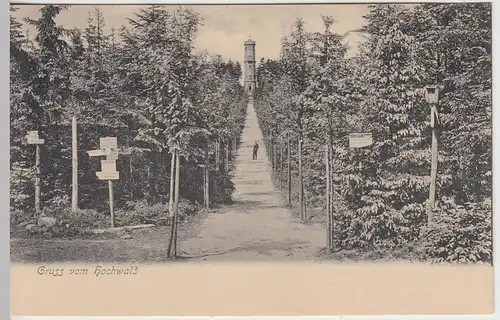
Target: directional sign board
x: 108, y: 143
x: 112, y: 154
x: 33, y: 138
x: 360, y: 140
x: 108, y: 170
x: 108, y: 165
x: 108, y: 175
x: 96, y: 153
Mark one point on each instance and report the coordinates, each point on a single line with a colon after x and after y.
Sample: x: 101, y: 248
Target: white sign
x: 112, y: 154
x: 432, y: 94
x: 108, y: 165
x: 96, y: 153
x: 108, y: 143
x: 33, y: 138
x: 126, y: 151
x: 360, y: 140
x: 108, y: 170
x: 108, y: 175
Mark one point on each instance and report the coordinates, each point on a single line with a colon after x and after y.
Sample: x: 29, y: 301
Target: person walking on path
x: 255, y: 149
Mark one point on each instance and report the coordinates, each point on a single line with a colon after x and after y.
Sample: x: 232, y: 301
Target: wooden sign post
x: 108, y: 147
x: 432, y: 97
x: 33, y: 138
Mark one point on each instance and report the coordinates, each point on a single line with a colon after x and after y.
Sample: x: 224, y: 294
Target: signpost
x: 33, y: 138
x: 108, y: 147
x: 360, y: 140
x: 432, y: 97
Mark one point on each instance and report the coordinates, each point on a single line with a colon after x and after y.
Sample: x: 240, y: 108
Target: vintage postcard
x: 277, y: 159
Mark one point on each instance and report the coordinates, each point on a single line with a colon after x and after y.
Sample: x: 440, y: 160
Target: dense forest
x: 143, y: 84
x: 314, y: 93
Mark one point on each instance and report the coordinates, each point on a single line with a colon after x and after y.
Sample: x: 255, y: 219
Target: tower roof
x: 250, y: 42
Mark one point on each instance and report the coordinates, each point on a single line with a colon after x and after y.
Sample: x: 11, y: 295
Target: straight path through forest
x: 258, y: 225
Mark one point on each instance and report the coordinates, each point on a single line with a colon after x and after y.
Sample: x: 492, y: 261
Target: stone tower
x: 250, y: 81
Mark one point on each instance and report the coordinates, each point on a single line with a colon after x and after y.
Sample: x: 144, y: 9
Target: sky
x: 226, y: 27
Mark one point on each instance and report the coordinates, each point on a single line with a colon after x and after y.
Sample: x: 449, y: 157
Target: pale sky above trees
x: 226, y: 27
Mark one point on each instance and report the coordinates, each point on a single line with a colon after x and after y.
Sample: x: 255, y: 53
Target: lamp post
x: 432, y: 97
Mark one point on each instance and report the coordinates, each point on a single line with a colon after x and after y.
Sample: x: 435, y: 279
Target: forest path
x: 258, y: 225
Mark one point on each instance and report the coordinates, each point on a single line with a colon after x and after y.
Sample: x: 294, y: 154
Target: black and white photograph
x: 146, y: 134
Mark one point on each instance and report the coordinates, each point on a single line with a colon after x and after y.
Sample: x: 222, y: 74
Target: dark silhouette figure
x: 255, y: 149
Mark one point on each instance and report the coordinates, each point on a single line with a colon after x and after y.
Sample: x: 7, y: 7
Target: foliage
x: 315, y: 93
x: 460, y: 233
x: 143, y: 85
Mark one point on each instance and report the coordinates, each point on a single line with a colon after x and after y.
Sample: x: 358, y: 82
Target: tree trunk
x: 281, y: 163
x: 172, y: 246
x: 226, y: 148
x: 176, y: 203
x: 153, y: 176
x: 301, y: 184
x: 327, y: 194
x: 131, y: 176
x: 289, y: 171
x: 207, y: 175
x: 171, y: 191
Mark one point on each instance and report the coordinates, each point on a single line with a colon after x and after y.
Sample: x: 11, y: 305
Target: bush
x: 459, y: 233
x: 18, y: 217
x: 222, y: 188
x: 140, y: 212
x: 79, y: 223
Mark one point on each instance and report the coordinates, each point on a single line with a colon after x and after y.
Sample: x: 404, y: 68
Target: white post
x: 37, y: 180
x: 74, y: 195
x: 111, y: 203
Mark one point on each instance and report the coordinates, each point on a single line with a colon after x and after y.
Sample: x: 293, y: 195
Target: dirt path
x: 258, y: 226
